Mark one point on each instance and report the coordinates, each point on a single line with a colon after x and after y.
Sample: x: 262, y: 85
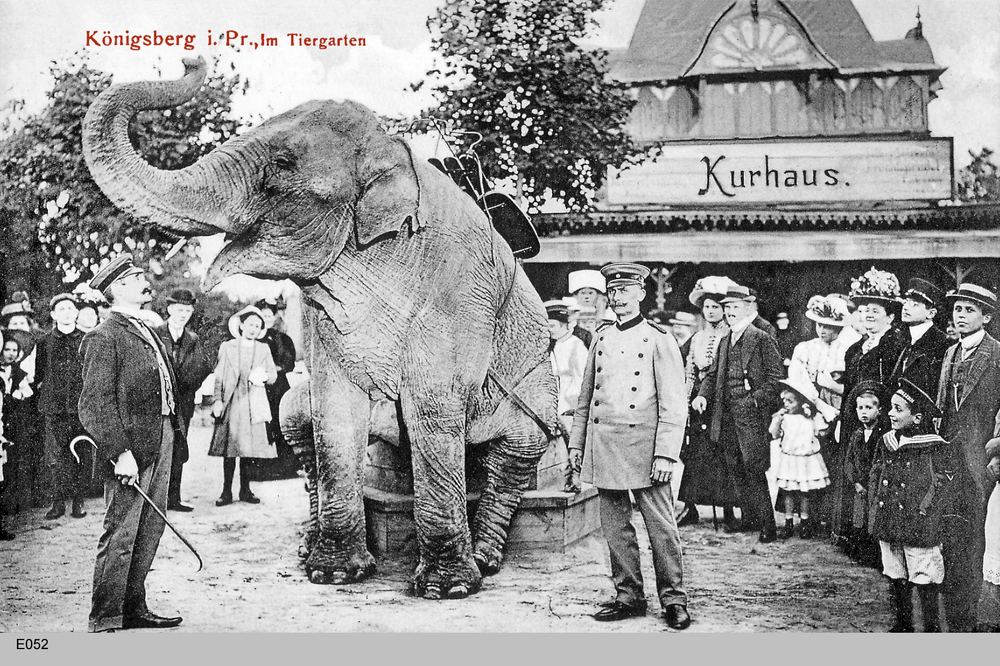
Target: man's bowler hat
x: 182, y: 297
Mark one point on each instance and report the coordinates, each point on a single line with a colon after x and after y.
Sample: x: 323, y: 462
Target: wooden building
x: 795, y: 153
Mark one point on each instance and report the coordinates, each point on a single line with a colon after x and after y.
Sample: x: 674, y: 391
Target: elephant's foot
x: 488, y: 559
x: 339, y: 567
x: 458, y: 581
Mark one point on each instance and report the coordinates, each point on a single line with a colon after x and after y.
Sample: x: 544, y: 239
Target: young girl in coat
x: 905, y: 489
x: 800, y: 468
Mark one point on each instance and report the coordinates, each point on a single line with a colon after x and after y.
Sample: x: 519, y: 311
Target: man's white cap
x: 587, y: 278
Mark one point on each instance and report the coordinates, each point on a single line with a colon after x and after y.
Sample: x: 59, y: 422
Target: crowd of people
x: 880, y: 432
x: 48, y: 455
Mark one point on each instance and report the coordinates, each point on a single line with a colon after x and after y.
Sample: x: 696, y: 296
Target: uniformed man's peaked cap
x: 118, y: 268
x: 625, y: 273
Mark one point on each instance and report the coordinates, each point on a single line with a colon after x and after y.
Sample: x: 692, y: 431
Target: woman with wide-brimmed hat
x: 821, y: 360
x: 706, y: 479
x: 241, y: 408
x: 877, y: 295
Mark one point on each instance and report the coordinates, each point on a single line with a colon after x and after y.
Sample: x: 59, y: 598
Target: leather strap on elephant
x: 520, y: 403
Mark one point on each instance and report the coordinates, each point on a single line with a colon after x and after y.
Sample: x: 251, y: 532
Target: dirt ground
x: 253, y: 580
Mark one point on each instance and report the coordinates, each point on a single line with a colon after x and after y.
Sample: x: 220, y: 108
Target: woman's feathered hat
x: 876, y: 286
x: 713, y: 286
x: 827, y: 310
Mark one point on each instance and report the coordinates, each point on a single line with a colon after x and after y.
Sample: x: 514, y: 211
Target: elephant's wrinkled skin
x: 410, y: 296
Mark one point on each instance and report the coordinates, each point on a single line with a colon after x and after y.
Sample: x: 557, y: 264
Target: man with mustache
x: 627, y: 434
x: 128, y: 405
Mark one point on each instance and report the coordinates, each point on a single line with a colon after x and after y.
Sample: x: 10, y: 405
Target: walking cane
x: 142, y: 493
x: 715, y: 519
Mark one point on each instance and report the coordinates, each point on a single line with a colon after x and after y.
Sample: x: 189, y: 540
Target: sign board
x: 788, y: 172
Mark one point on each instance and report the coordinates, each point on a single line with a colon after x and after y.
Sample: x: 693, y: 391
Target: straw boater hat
x: 713, y: 286
x: 975, y: 293
x: 876, y: 286
x: 237, y: 319
x: 586, y: 279
x: 827, y: 310
x: 925, y: 292
x: 806, y: 391
x: 738, y: 292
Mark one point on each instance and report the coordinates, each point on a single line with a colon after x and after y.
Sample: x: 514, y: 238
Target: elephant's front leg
x: 341, y: 416
x: 436, y: 423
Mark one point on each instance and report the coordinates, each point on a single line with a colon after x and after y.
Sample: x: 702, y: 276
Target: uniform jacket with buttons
x: 906, y: 489
x: 120, y: 404
x: 632, y: 405
x: 762, y: 368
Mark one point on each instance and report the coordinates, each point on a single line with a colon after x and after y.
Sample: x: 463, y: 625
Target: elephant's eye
x: 285, y: 162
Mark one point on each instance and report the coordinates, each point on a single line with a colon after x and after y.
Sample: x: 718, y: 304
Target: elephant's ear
x: 390, y: 192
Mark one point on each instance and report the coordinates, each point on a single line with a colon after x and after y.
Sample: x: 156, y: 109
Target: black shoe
x: 249, y: 497
x: 677, y: 617
x: 150, y: 620
x: 58, y: 510
x: 183, y: 508
x: 78, y: 511
x: 689, y: 516
x: 5, y: 535
x: 788, y: 531
x: 732, y: 527
x: 619, y: 611
x: 768, y: 535
x: 226, y: 498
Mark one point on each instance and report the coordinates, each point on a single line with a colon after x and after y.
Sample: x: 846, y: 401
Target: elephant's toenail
x: 458, y: 592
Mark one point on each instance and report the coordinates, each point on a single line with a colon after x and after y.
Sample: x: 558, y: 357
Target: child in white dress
x: 800, y: 468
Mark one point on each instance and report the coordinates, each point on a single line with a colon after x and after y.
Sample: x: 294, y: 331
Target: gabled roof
x: 670, y: 34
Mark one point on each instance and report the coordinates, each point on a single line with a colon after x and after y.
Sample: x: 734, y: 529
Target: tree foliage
x: 58, y: 221
x: 980, y: 181
x: 548, y: 114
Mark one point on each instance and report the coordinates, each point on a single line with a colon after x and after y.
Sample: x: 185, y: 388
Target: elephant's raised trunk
x: 198, y: 200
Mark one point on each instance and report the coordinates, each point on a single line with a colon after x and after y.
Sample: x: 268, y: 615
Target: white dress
x: 800, y: 465
x: 991, y: 558
x: 814, y: 358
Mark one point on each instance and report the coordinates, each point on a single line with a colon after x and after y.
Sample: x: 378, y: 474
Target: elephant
x: 409, y: 296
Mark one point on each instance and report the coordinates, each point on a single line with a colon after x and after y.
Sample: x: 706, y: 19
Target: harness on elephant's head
x: 503, y: 213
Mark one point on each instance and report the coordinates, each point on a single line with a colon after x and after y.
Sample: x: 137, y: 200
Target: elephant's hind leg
x: 508, y: 473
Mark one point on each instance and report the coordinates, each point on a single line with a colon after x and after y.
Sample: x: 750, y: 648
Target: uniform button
x: 597, y: 386
x: 600, y: 353
x: 640, y: 355
x: 631, y: 406
x: 634, y: 388
x: 645, y: 339
x: 602, y: 338
x: 631, y: 425
x: 598, y: 368
x: 596, y: 403
x: 597, y: 420
x: 636, y: 373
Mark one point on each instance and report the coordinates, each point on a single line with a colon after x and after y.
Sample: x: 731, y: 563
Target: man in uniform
x: 742, y: 384
x: 627, y: 433
x: 128, y: 406
x: 920, y: 361
x: 191, y: 366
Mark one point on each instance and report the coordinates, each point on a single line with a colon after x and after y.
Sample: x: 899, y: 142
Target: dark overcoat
x: 762, y: 368
x: 921, y: 362
x: 58, y: 376
x: 120, y: 403
x: 906, y: 490
x: 191, y: 366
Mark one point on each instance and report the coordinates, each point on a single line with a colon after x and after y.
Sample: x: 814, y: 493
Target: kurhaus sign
x: 788, y: 172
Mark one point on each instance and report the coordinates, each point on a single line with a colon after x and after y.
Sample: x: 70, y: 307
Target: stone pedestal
x: 548, y: 519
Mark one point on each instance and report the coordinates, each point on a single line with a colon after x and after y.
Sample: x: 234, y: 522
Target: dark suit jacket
x: 877, y: 365
x: 762, y: 368
x: 973, y: 422
x: 921, y: 363
x: 57, y: 372
x: 120, y: 404
x: 192, y: 364
x: 764, y: 325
